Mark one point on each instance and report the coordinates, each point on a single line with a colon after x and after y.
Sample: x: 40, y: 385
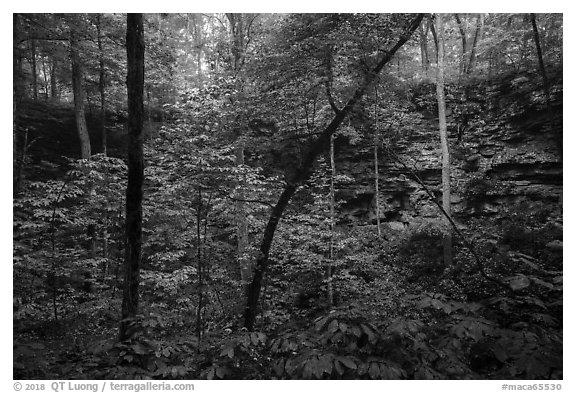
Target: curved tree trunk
x: 134, y: 189
x: 303, y: 172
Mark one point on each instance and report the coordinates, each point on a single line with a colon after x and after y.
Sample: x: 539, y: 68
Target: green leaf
x: 338, y: 367
x: 368, y: 331
x: 320, y: 323
x: 220, y: 372
x: 374, y: 370
x: 348, y: 362
x: 543, y: 283
x: 290, y: 366
x: 325, y: 362
x: 333, y: 327
x: 519, y: 282
x: 227, y: 351
x: 211, y: 372
x: 317, y: 369
x: 499, y: 352
x: 140, y: 349
x: 278, y: 367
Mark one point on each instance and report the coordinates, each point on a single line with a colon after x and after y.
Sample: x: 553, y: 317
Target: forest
x: 288, y: 196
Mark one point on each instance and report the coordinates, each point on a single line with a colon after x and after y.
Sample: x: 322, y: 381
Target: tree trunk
x: 244, y: 261
x: 541, y: 60
x: 546, y: 85
x: 303, y: 172
x: 462, y: 67
x: 45, y: 78
x: 199, y: 267
x: 443, y: 140
x: 434, y: 35
x: 238, y: 39
x: 376, y: 175
x: 53, y: 83
x: 20, y: 163
x: 134, y: 189
x: 424, y: 48
x: 34, y: 72
x: 477, y: 38
x: 101, y: 86
x: 330, y: 289
x: 78, y: 90
x: 17, y: 96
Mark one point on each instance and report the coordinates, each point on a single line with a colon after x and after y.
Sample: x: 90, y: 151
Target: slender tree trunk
x: 21, y: 163
x: 376, y: 175
x: 134, y: 189
x: 45, y: 75
x: 546, y: 85
x: 443, y: 139
x: 200, y: 268
x: 244, y: 261
x: 434, y: 35
x: 424, y: 48
x: 462, y: 67
x: 237, y: 38
x: 541, y: 62
x: 197, y: 42
x: 78, y: 90
x: 101, y: 85
x: 101, y: 88
x: 330, y: 289
x: 187, y: 41
x: 17, y: 95
x: 53, y: 82
x: 34, y: 72
x: 91, y: 234
x: 477, y: 38
x: 303, y: 172
x: 105, y: 238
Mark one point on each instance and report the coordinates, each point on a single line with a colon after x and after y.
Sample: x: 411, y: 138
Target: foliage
x: 223, y: 137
